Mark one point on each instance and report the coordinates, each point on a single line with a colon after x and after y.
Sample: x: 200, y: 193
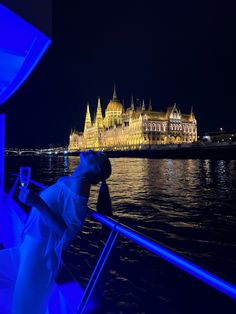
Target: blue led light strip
x: 169, y: 256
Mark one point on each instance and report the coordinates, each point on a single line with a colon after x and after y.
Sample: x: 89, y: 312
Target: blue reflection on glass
x: 21, y: 48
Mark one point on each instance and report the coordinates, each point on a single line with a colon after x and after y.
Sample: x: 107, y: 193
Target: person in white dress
x: 56, y: 217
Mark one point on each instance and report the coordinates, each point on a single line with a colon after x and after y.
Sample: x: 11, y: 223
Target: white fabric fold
x: 68, y: 205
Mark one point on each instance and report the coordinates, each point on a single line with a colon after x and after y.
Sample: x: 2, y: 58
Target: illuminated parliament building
x: 136, y: 127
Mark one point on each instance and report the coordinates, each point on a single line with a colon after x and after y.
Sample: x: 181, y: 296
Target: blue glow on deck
x: 21, y: 48
x: 2, y: 145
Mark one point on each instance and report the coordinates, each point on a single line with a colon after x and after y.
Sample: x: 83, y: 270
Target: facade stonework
x: 134, y: 127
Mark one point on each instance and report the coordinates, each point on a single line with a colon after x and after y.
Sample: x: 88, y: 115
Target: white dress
x: 40, y: 251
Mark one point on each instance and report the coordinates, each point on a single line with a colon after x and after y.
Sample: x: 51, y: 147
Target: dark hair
x: 104, y: 200
x: 104, y: 167
x: 104, y: 206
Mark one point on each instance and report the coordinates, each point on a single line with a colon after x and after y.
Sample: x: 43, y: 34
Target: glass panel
x: 21, y: 48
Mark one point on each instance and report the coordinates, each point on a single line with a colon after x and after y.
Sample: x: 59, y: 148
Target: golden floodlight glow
x: 127, y: 129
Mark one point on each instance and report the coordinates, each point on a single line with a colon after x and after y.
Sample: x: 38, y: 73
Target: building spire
x: 99, y: 117
x: 123, y: 102
x: 88, y: 122
x: 143, y: 105
x: 150, y: 105
x: 132, y: 102
x: 114, y: 93
x: 191, y: 113
x: 99, y: 103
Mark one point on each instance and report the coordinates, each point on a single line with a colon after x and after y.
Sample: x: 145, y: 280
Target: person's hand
x: 28, y: 197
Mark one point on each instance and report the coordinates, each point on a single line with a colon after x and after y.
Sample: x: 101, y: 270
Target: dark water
x: 188, y: 205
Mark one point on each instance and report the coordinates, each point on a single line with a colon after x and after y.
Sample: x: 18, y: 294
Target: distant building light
x: 207, y: 138
x: 221, y: 129
x: 65, y: 152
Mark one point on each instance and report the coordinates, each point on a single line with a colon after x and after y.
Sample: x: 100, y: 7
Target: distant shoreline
x: 179, y: 151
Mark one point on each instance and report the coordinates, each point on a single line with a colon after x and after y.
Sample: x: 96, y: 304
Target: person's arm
x: 56, y: 224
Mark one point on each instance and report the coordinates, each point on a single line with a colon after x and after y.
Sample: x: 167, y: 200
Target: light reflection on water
x: 188, y: 205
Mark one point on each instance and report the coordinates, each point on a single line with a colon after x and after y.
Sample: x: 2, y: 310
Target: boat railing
x: 149, y: 244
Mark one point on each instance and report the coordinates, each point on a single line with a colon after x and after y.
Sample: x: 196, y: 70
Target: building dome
x: 115, y: 105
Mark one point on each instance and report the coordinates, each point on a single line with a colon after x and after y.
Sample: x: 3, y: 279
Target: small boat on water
x: 17, y: 59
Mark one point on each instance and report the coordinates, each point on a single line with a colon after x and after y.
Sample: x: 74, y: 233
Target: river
x: 187, y: 205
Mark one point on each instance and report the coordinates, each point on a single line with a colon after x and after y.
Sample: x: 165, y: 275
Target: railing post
x: 97, y: 271
x: 2, y: 146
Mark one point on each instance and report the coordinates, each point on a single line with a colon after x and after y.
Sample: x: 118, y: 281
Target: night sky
x: 171, y: 51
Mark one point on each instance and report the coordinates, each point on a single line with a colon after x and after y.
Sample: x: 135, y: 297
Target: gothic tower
x: 143, y: 105
x: 88, y: 122
x: 99, y: 117
x: 114, y: 93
